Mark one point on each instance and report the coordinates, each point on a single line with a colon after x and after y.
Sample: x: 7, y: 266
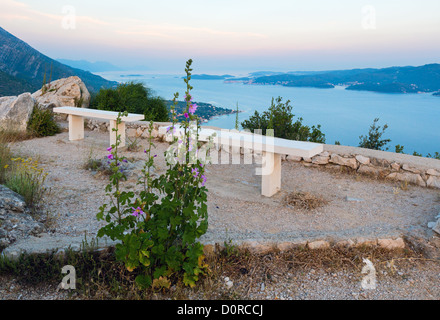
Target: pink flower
x: 110, y: 156
x: 192, y: 109
x: 137, y: 211
x: 109, y: 149
x: 171, y: 128
x: 204, y: 180
x: 186, y: 115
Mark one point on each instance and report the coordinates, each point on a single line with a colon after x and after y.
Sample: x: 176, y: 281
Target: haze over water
x: 413, y: 119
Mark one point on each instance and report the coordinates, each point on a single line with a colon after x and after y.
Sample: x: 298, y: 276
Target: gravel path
x: 238, y: 213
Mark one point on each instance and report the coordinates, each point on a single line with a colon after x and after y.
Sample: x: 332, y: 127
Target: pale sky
x: 231, y: 36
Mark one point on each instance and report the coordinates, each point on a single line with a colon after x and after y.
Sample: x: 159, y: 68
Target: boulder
x: 398, y: 243
x: 433, y: 182
x: 369, y: 170
x: 348, y: 162
x: 66, y: 92
x: 407, y: 177
x: 16, y: 111
x: 433, y: 172
x: 16, y: 221
x: 320, y: 159
x: 410, y: 169
x: 362, y: 159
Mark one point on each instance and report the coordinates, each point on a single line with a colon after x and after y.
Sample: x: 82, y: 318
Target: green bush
x: 374, y: 138
x: 26, y: 177
x: 42, y: 122
x: 133, y: 98
x: 279, y: 117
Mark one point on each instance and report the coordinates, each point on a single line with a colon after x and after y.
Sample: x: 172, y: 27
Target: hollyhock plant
x: 163, y: 244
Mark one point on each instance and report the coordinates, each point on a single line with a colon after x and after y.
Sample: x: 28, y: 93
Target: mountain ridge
x: 24, y: 63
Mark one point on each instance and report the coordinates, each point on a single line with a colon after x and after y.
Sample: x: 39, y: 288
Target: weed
x: 133, y: 145
x: 42, y: 122
x: 26, y: 178
x: 304, y: 200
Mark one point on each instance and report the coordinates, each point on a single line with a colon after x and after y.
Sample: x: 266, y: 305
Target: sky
x: 230, y: 36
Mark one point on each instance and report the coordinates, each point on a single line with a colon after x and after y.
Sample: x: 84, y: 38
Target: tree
x: 373, y: 139
x: 133, y: 98
x: 279, y: 117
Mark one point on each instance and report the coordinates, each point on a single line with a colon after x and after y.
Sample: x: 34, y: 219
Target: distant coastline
x: 422, y: 79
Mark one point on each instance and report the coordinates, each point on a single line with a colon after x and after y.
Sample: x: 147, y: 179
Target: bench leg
x: 76, y: 127
x: 271, y: 174
x: 121, y: 132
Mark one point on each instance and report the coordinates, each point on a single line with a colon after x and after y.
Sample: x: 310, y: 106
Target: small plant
x: 42, y: 122
x: 26, y: 178
x: 5, y: 159
x: 373, y: 139
x: 133, y: 144
x: 237, y: 124
x: 304, y: 200
x: 78, y: 102
x: 399, y: 149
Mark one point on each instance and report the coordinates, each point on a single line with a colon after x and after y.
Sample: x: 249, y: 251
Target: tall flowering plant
x: 159, y: 227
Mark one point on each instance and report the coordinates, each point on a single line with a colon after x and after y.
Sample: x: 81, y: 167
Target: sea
x: 413, y: 120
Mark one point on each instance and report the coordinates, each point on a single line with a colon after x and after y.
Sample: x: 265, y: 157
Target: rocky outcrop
x: 70, y: 92
x: 15, y: 220
x: 16, y: 111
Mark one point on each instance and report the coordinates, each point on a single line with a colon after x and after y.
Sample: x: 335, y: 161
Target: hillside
x: 29, y: 67
x: 395, y: 79
x: 11, y: 86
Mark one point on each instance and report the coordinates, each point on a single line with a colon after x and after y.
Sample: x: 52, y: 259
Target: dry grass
x: 104, y: 278
x: 304, y: 200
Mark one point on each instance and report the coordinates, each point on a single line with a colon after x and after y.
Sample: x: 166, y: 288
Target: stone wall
x: 378, y: 164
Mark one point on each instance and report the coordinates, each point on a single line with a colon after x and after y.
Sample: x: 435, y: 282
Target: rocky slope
x: 23, y: 62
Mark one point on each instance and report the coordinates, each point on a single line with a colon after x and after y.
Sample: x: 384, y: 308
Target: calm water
x: 413, y: 119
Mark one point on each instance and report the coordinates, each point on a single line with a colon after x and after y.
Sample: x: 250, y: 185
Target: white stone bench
x: 271, y: 148
x: 76, y: 122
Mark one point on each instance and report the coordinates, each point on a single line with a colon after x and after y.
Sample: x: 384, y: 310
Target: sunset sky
x: 231, y: 36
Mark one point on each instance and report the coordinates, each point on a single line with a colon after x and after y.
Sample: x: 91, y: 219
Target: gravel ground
x: 239, y: 214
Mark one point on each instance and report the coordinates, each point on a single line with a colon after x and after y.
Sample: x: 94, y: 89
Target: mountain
x: 31, y: 68
x: 12, y: 86
x: 98, y: 66
x: 391, y: 80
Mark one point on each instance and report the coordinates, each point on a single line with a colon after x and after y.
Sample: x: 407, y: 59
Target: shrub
x: 279, y: 117
x: 158, y: 227
x: 133, y: 98
x: 373, y: 139
x: 42, y: 122
x: 26, y: 178
x: 5, y: 159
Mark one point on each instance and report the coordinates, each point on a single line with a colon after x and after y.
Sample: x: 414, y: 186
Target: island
x: 205, y: 111
x: 409, y: 79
